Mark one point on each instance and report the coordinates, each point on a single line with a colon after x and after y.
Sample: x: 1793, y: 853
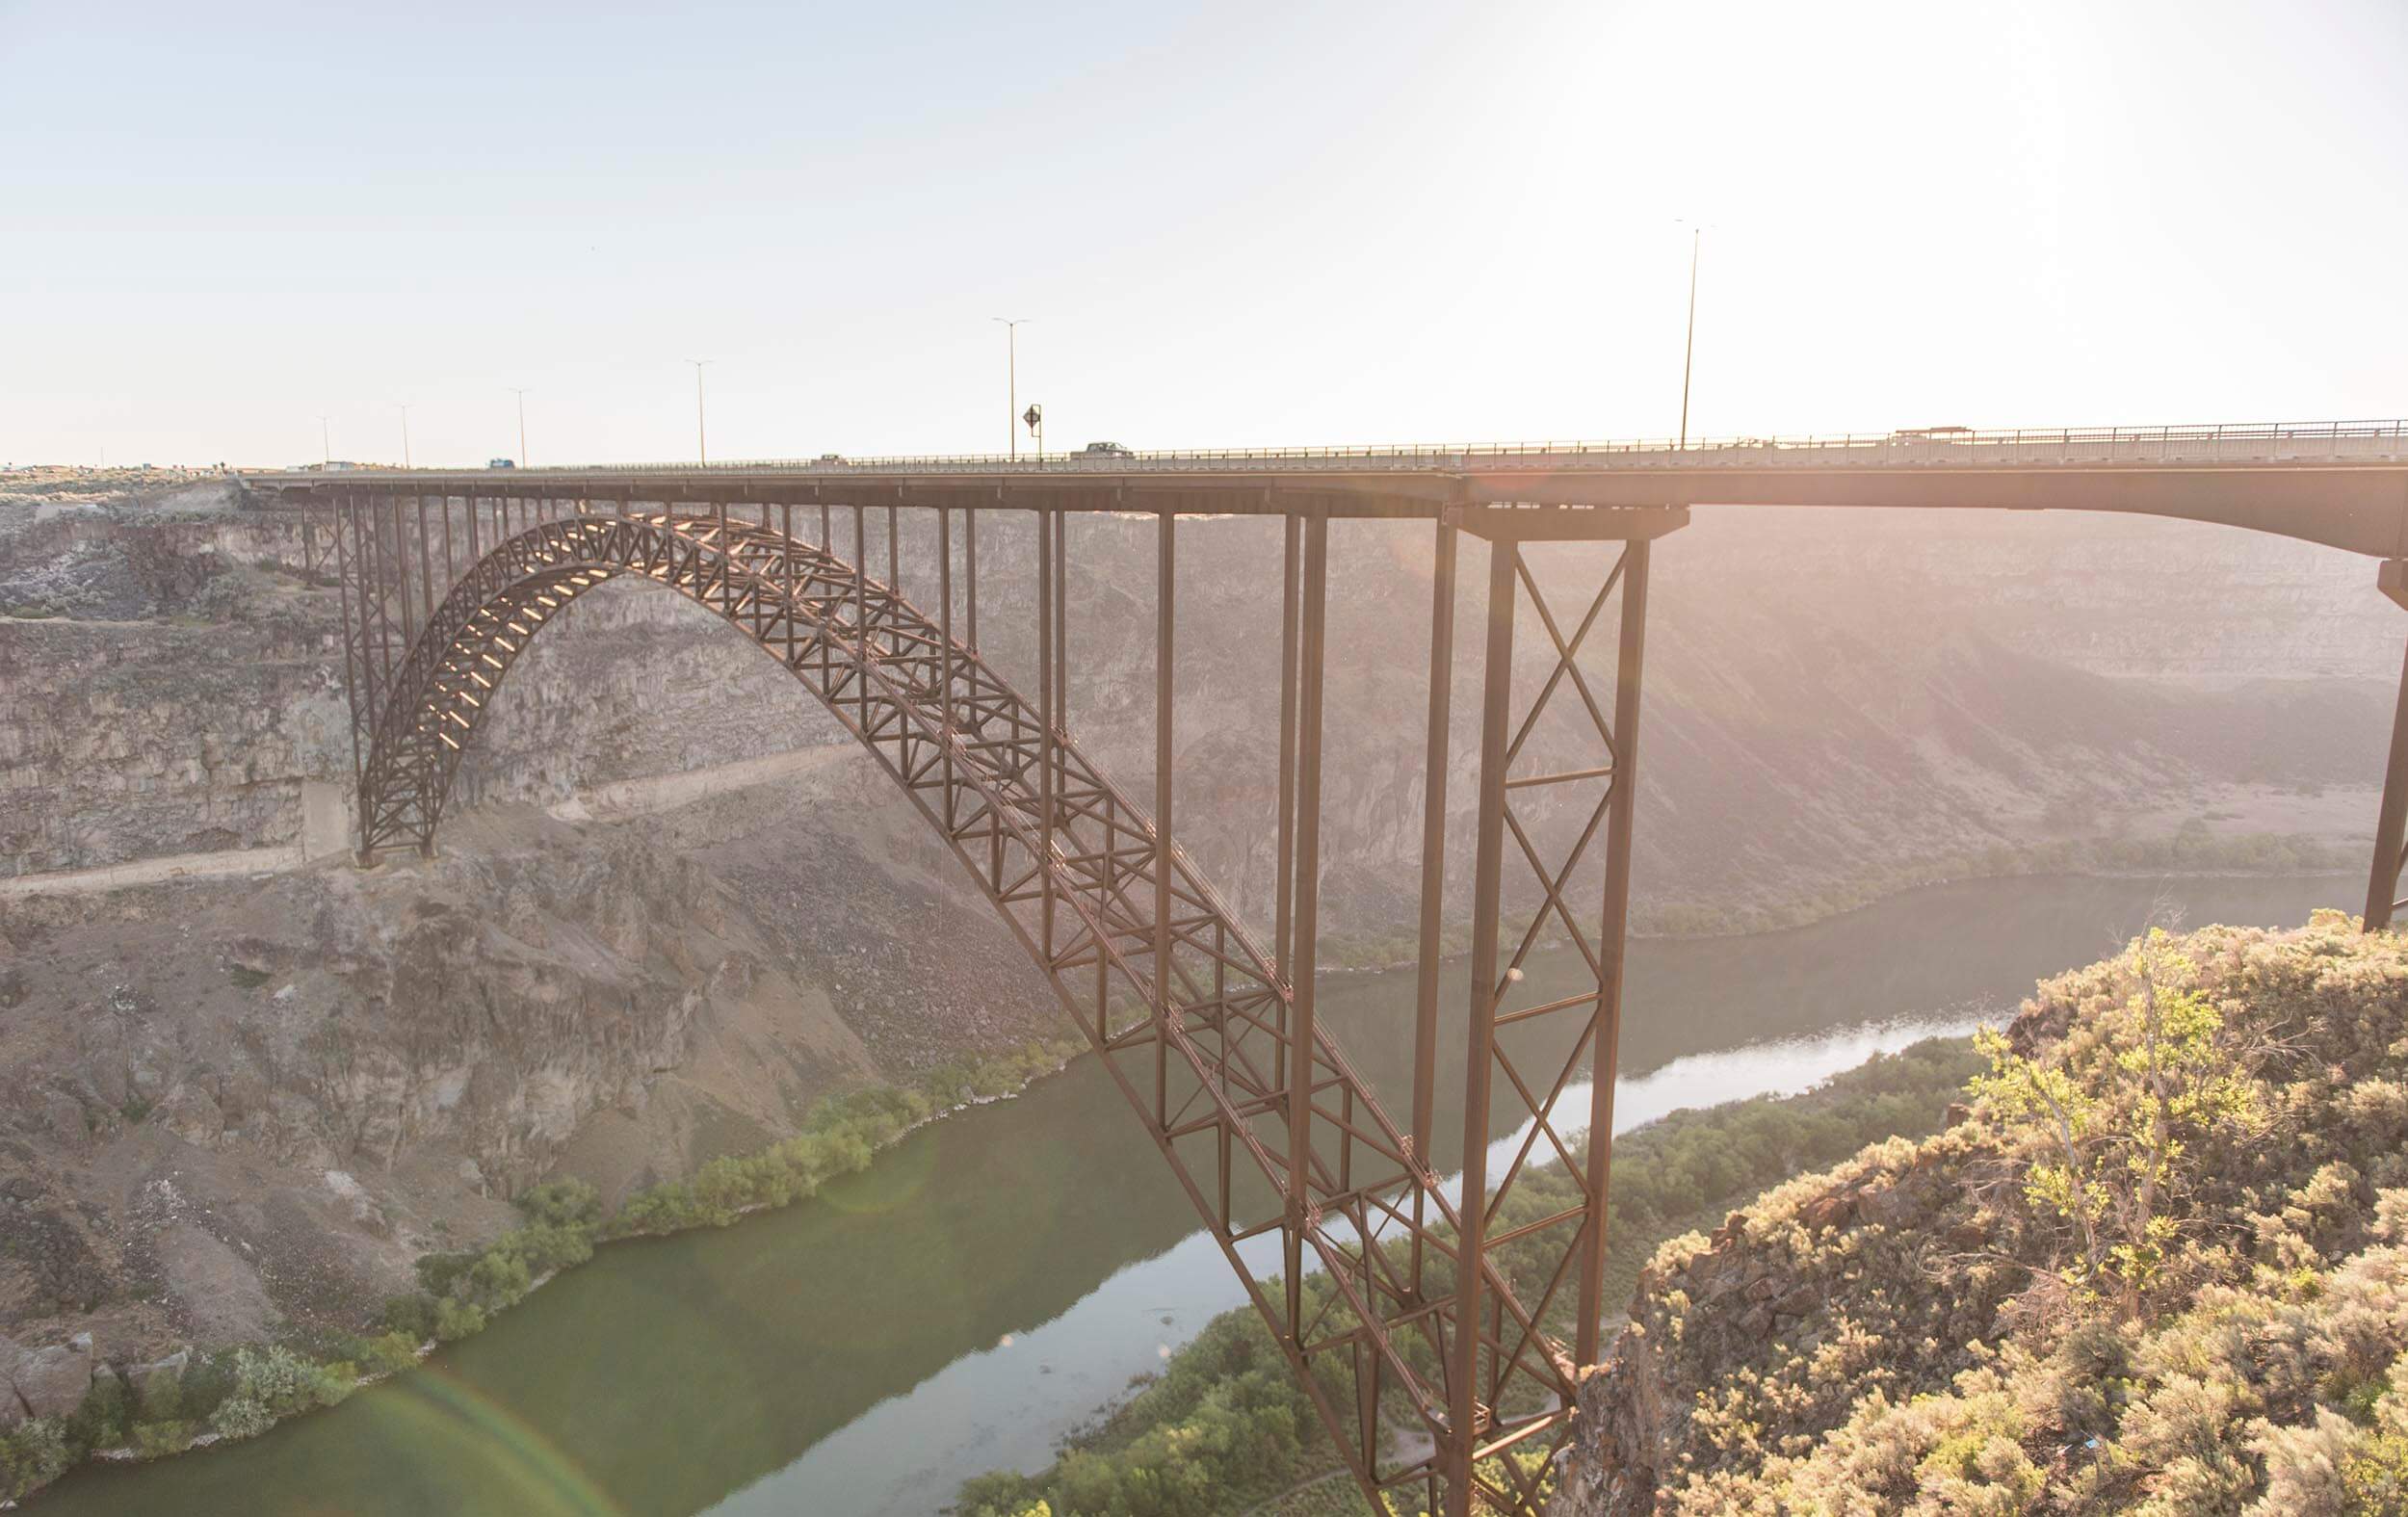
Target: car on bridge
x: 1105, y: 450
x: 501, y: 463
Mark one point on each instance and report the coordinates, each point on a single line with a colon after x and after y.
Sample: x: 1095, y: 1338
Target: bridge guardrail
x: 2227, y: 442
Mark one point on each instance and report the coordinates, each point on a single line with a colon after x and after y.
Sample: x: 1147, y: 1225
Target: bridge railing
x: 2227, y: 442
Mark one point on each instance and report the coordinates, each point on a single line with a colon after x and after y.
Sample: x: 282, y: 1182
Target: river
x: 996, y: 1277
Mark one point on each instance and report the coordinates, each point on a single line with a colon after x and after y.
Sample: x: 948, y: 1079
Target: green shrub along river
x: 973, y: 1297
x: 241, y: 1392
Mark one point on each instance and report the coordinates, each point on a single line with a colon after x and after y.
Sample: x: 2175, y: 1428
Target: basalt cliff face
x: 672, y: 907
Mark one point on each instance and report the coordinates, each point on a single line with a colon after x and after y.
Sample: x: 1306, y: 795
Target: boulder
x: 1883, y: 1206
x: 190, y: 1115
x: 53, y: 1381
x: 1801, y: 1300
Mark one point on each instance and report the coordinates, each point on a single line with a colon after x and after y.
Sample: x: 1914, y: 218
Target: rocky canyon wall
x: 228, y: 1104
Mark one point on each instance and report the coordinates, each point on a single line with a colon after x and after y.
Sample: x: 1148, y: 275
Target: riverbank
x: 996, y: 1277
x: 190, y: 1403
x: 1226, y: 1422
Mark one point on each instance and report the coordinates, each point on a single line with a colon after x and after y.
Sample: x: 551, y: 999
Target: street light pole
x: 1011, y: 379
x: 522, y: 424
x: 1689, y: 354
x: 405, y: 434
x: 701, y: 445
x: 325, y: 447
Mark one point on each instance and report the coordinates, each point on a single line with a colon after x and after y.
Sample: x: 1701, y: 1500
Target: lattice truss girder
x: 1196, y: 1026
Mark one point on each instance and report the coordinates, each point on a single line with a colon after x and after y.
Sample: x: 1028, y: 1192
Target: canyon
x: 245, y: 1081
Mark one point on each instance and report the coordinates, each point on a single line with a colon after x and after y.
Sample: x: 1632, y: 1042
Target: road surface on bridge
x: 2340, y: 484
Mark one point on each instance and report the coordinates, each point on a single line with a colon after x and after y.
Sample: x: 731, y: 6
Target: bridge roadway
x: 2340, y: 484
x: 1441, y: 1338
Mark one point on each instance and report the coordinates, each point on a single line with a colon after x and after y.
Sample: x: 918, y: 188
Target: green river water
x: 997, y: 1276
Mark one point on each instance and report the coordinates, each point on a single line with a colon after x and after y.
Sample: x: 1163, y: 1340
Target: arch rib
x: 966, y: 749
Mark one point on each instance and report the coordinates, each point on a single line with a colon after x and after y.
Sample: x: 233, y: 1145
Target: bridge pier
x: 2392, y: 819
x: 1509, y: 1375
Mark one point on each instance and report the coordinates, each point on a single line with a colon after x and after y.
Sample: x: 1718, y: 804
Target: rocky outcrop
x: 228, y: 1107
x: 43, y: 1382
x: 1777, y: 1279
x: 2160, y: 1265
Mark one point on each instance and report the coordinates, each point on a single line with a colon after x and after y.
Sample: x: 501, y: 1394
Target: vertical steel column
x: 350, y: 676
x: 451, y: 570
x: 392, y: 586
x: 367, y: 546
x: 2392, y: 822
x: 945, y: 604
x: 861, y: 608
x: 1612, y: 941
x: 1045, y: 594
x: 475, y: 553
x: 1283, y: 920
x: 1480, y: 1056
x: 1059, y: 723
x: 401, y: 580
x: 945, y: 660
x: 1062, y: 642
x: 970, y: 570
x: 425, y: 563
x: 1433, y: 868
x: 786, y: 557
x: 718, y: 512
x: 894, y: 553
x: 2383, y: 875
x: 1165, y: 622
x: 1308, y: 861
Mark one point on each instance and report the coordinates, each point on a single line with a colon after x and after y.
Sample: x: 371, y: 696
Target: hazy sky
x: 1230, y: 223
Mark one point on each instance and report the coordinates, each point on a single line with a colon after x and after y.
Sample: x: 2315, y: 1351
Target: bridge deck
x: 1445, y: 1330
x: 2340, y: 484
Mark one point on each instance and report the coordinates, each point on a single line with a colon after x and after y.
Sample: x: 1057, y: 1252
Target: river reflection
x: 998, y: 1276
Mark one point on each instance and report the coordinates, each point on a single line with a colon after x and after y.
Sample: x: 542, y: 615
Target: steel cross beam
x: 1424, y: 1354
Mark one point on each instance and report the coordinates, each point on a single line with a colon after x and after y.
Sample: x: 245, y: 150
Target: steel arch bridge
x: 1426, y: 1357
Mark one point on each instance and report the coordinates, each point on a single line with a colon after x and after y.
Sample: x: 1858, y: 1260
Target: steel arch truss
x: 1267, y: 1126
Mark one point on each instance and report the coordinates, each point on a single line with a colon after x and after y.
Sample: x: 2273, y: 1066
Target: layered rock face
x: 240, y: 1103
